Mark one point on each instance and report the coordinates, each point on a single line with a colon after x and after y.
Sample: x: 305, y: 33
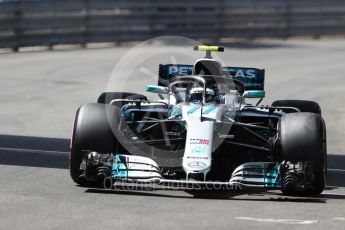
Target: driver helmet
x: 195, y: 95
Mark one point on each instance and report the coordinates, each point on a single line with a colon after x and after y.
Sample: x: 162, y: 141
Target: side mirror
x: 254, y: 94
x: 157, y: 89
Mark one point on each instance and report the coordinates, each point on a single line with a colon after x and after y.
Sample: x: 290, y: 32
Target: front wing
x: 142, y: 170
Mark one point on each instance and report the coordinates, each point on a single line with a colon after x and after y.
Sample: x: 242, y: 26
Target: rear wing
x: 252, y: 78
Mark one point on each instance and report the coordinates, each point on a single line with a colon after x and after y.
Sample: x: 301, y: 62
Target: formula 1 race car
x: 201, y: 134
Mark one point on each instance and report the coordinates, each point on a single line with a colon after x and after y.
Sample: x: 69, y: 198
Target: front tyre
x: 93, y: 131
x: 303, y: 139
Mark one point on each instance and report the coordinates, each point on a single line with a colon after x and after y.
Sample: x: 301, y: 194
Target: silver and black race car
x: 201, y: 134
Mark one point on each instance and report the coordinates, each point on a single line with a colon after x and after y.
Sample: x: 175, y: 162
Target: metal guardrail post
x: 17, y: 29
x: 86, y: 12
x: 52, y: 36
x: 220, y: 13
x: 287, y: 17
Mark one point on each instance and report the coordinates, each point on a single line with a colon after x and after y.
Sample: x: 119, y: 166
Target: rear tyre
x: 303, y: 138
x: 93, y: 130
x: 303, y: 106
x: 107, y: 97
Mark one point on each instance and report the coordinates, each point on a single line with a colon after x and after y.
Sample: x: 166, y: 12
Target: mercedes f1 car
x: 201, y: 133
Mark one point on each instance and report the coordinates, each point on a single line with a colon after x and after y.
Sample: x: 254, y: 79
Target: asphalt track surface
x: 40, y: 92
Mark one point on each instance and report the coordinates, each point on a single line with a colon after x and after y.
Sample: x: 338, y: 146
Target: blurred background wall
x: 51, y: 22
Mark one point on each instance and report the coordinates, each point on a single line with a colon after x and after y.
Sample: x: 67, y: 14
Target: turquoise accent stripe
x: 271, y: 174
x: 176, y: 111
x: 194, y: 109
x: 120, y: 173
x: 210, y: 109
x: 270, y: 182
x: 118, y: 165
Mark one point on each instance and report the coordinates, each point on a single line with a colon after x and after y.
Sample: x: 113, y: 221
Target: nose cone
x: 198, y: 150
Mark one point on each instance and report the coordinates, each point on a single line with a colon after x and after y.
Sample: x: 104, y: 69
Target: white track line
x: 336, y: 170
x: 333, y: 194
x: 32, y: 150
x: 339, y: 218
x: 279, y: 221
